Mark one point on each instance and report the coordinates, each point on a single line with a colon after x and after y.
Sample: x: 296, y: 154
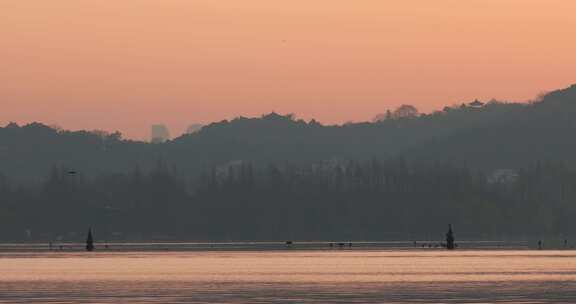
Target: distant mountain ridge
x: 495, y: 170
x: 491, y: 135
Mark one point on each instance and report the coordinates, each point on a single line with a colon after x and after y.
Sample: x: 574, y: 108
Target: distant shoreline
x: 261, y: 246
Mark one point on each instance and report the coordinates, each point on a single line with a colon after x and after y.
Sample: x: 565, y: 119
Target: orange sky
x: 127, y: 64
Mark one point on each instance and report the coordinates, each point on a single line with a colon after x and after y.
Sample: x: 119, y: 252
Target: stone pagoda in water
x: 450, y: 238
x: 90, y: 240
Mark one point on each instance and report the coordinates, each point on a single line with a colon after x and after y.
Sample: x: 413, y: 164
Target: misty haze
x: 496, y: 170
x: 302, y: 151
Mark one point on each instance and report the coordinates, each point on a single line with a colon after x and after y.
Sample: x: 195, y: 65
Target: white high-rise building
x: 159, y: 134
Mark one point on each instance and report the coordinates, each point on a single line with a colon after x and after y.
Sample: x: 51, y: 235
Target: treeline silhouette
x: 345, y: 200
x: 494, y: 135
x: 492, y: 168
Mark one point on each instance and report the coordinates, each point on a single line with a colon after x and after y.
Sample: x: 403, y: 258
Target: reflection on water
x: 353, y: 276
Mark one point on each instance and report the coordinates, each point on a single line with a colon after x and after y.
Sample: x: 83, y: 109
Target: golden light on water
x: 364, y: 275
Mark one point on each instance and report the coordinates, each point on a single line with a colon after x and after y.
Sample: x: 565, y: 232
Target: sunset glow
x: 125, y: 65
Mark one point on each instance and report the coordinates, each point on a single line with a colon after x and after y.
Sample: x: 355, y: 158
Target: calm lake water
x: 285, y: 276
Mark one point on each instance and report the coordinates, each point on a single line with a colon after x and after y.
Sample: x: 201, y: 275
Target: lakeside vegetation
x: 492, y: 169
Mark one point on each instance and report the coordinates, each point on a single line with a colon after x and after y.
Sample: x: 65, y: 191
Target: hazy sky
x: 127, y: 64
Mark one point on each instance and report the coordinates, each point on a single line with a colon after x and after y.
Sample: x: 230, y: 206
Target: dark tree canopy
x: 490, y: 168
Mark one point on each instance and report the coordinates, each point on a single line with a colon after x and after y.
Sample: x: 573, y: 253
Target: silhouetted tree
x: 405, y: 111
x: 503, y: 168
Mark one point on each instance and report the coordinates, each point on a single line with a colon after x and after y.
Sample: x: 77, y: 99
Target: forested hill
x: 487, y: 135
x: 493, y: 169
